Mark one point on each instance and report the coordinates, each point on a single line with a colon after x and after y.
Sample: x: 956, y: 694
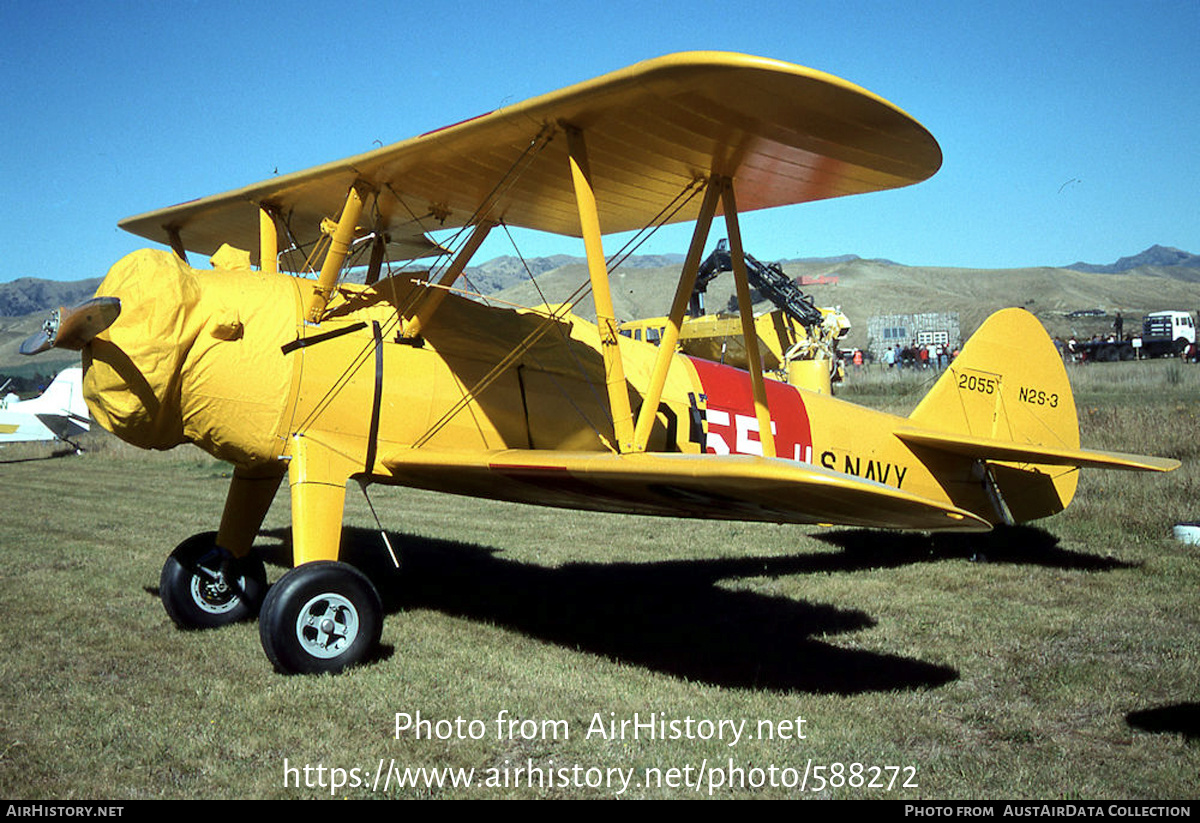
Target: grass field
x: 1054, y: 661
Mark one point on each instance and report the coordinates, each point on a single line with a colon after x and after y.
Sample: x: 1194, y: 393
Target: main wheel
x: 320, y: 617
x: 202, y: 586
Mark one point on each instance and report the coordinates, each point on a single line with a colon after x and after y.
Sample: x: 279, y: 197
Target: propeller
x: 75, y: 327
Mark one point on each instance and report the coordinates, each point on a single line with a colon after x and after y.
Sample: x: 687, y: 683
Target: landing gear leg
x: 323, y: 615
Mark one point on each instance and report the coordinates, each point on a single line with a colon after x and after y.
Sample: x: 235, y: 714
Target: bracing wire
x: 567, y: 342
x: 362, y: 484
x: 664, y: 216
x: 551, y: 319
x: 518, y: 166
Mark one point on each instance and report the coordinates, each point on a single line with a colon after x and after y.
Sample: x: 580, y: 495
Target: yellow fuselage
x: 224, y: 359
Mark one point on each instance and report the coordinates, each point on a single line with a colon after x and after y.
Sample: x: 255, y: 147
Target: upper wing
x: 730, y: 487
x: 785, y: 133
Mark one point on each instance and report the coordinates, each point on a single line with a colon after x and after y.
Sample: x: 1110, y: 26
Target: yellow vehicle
x: 398, y: 381
x: 788, y: 351
x: 797, y: 342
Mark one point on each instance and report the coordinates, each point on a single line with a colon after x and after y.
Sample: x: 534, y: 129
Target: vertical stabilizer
x: 1009, y: 384
x: 63, y: 396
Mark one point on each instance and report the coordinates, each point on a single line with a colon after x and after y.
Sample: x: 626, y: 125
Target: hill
x: 500, y: 273
x: 29, y: 294
x: 24, y: 306
x: 869, y: 287
x: 644, y: 285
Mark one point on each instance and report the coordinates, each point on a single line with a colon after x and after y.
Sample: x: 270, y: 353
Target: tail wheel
x: 202, y: 586
x: 320, y: 617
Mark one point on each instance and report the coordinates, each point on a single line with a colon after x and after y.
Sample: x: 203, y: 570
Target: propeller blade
x: 75, y: 327
x: 37, y: 342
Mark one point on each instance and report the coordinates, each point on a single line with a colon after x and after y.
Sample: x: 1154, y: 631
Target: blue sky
x: 1069, y: 129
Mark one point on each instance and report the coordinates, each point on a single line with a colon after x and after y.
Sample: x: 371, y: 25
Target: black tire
x: 320, y: 617
x: 202, y: 586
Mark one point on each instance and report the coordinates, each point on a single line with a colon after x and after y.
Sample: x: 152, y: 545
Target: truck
x: 1164, y: 334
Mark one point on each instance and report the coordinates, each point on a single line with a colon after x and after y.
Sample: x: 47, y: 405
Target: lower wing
x: 728, y: 487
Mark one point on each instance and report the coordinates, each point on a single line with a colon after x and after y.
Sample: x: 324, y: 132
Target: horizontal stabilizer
x: 984, y: 448
x: 728, y: 487
x: 63, y: 426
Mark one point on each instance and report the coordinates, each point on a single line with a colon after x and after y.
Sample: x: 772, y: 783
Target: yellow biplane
x: 401, y: 380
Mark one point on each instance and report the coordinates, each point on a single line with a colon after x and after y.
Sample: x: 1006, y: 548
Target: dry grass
x: 1052, y: 662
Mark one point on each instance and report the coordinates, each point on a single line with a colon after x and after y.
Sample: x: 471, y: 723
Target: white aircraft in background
x: 58, y: 414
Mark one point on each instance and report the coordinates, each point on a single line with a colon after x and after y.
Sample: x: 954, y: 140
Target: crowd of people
x: 913, y: 356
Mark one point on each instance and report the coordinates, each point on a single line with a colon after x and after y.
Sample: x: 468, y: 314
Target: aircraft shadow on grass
x: 54, y: 455
x: 672, y: 616
x: 669, y: 616
x: 1178, y: 718
x: 1027, y: 545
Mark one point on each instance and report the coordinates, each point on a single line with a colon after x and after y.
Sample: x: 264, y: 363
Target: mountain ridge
x: 643, y: 287
x: 1156, y: 255
x: 25, y: 295
x: 31, y: 294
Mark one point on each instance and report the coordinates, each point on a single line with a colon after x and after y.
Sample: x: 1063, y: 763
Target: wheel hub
x: 327, y: 625
x: 211, y: 592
